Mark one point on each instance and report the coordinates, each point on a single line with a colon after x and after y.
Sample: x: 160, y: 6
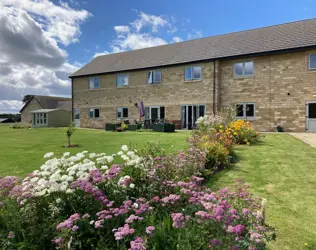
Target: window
x: 243, y: 69
x: 193, y: 73
x: 94, y: 82
x: 154, y: 76
x: 121, y: 112
x: 312, y: 61
x: 122, y: 80
x: 245, y: 110
x: 94, y: 113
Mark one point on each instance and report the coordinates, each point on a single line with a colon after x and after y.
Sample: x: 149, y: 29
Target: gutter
x: 214, y: 86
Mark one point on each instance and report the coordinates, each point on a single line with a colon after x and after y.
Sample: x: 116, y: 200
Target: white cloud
x: 177, y: 39
x: 146, y: 20
x: 194, y: 34
x: 132, y: 41
x: 60, y: 21
x: 31, y: 60
x: 121, y: 29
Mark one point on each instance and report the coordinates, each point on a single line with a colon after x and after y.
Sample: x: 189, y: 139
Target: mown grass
x: 22, y: 150
x: 281, y: 169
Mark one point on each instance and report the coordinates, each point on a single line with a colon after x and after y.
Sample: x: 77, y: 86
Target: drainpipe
x: 214, y: 86
x: 72, y: 100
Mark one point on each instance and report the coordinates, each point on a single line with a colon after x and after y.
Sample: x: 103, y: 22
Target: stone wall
x: 171, y: 93
x: 280, y: 88
x: 26, y: 116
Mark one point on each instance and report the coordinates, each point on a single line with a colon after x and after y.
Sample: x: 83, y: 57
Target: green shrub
x: 164, y: 127
x: 20, y: 126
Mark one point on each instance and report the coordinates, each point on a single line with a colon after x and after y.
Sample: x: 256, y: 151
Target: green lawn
x: 22, y: 150
x: 283, y: 170
x: 280, y: 168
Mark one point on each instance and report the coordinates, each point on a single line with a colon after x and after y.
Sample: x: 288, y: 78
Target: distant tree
x: 26, y: 98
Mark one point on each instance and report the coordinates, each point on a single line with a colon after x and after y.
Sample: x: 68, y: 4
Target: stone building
x: 267, y: 74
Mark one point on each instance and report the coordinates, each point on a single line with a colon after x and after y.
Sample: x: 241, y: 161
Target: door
x: 77, y: 117
x: 190, y: 114
x: 311, y: 116
x: 154, y: 114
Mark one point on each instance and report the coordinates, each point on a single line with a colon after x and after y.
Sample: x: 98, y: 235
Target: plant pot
x: 279, y: 129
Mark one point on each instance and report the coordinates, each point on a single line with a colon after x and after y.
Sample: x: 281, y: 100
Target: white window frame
x: 93, y: 109
x: 309, y: 61
x: 117, y: 80
x: 93, y: 78
x: 245, y: 117
x: 159, y: 111
x: 192, y: 78
x: 122, y: 117
x: 243, y: 69
x: 153, y: 80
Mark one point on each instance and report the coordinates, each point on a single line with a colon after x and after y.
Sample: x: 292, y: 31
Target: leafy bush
x: 20, y: 126
x: 124, y: 126
x: 86, y: 202
x: 242, y: 132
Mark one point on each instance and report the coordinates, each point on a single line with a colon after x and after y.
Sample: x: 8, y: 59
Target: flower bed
x: 152, y: 201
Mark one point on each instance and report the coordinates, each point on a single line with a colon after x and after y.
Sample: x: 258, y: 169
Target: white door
x: 311, y: 116
x: 77, y: 117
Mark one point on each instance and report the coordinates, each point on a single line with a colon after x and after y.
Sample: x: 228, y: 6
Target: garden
x: 150, y: 195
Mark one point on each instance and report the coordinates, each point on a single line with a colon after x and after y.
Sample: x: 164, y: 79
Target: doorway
x: 77, y: 117
x: 311, y: 116
x: 189, y: 115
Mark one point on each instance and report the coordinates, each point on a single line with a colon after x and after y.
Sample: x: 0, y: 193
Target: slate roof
x: 50, y: 102
x: 287, y: 36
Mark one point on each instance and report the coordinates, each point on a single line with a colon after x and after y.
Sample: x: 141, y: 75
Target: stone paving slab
x: 309, y: 138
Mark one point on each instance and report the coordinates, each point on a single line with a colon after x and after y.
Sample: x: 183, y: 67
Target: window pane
x: 125, y: 112
x: 240, y: 110
x: 157, y: 76
x: 96, y: 82
x: 91, y: 113
x: 119, y: 112
x: 150, y: 77
x: 146, y: 113
x: 248, y: 68
x: 238, y: 69
x: 97, y: 113
x: 44, y: 120
x: 312, y: 61
x: 122, y: 80
x: 188, y: 73
x: 162, y: 112
x: 202, y: 110
x: 196, y: 72
x: 250, y: 110
x: 312, y: 110
x: 91, y: 83
x: 44, y: 115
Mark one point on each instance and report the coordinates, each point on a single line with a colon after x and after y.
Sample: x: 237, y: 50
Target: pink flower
x: 121, y: 232
x: 132, y: 218
x: 58, y: 241
x: 137, y: 244
x: 216, y: 242
x: 11, y: 235
x: 178, y: 220
x: 171, y: 199
x: 75, y: 228
x: 150, y: 229
x: 203, y: 215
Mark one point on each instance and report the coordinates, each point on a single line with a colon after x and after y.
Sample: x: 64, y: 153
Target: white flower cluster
x: 56, y: 175
x: 130, y: 157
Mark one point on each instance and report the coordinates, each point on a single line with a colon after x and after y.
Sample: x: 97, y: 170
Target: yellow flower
x: 305, y: 244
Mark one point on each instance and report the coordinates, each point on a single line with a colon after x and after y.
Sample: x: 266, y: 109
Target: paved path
x: 309, y: 138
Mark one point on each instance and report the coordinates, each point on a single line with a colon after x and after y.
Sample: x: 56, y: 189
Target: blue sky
x: 45, y: 41
x: 205, y: 17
